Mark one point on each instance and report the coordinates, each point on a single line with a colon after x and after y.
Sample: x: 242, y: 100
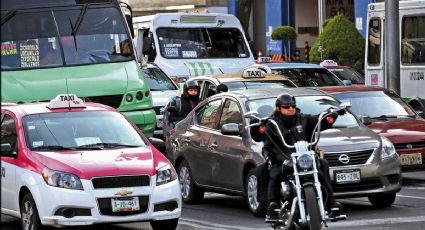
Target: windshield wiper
x: 384, y: 117
x: 51, y: 147
x: 101, y: 145
x: 79, y: 20
x: 8, y: 16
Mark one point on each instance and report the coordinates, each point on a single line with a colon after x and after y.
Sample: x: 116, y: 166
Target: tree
x: 286, y: 33
x: 340, y: 42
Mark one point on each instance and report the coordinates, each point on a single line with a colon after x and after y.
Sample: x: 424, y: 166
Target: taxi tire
x: 382, y: 200
x: 261, y: 208
x: 195, y: 194
x: 26, y: 203
x: 170, y: 224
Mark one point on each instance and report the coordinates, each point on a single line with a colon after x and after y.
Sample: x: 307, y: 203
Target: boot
x: 271, y: 210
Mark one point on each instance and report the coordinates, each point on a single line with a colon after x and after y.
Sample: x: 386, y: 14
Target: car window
x: 376, y: 104
x: 313, y: 77
x: 207, y: 115
x: 259, y: 84
x: 348, y: 74
x: 231, y: 113
x: 157, y: 80
x: 8, y: 131
x: 210, y: 89
x: 76, y: 129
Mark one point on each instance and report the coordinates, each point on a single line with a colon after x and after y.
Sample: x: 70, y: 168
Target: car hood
x: 96, y: 163
x: 401, y: 130
x: 348, y: 139
x: 161, y: 98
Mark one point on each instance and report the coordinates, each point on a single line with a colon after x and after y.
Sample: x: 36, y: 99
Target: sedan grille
x: 113, y: 101
x: 355, y: 157
x: 410, y: 145
x: 121, y: 181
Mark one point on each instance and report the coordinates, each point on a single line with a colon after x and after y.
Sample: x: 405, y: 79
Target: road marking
x: 414, y: 187
x: 371, y: 222
x: 413, y: 197
x: 212, y: 226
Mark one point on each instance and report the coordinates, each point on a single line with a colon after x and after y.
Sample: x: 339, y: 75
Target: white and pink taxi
x: 68, y: 162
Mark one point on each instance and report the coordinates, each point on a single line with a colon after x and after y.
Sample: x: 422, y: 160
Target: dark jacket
x: 185, y: 108
x: 301, y: 129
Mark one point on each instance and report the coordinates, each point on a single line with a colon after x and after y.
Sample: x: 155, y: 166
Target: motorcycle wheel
x: 312, y: 208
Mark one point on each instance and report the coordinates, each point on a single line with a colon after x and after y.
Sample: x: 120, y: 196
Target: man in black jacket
x: 294, y: 127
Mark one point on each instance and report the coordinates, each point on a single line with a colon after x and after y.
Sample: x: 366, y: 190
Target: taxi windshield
x: 308, y: 105
x: 80, y: 130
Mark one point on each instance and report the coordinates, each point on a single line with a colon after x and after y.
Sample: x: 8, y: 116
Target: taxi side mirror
x: 158, y: 144
x: 7, y: 151
x: 231, y: 129
x: 365, y: 119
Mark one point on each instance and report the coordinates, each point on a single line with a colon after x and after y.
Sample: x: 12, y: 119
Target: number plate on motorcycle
x: 347, y: 176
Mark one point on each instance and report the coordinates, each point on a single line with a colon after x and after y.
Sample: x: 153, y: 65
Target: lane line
x: 413, y: 197
x: 372, y: 222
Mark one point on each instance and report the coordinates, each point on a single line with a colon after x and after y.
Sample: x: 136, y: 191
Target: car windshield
x: 157, y: 80
x: 188, y: 43
x: 377, y: 104
x: 348, y: 74
x: 307, y: 105
x: 259, y: 84
x: 79, y: 130
x: 313, y: 77
x: 64, y: 36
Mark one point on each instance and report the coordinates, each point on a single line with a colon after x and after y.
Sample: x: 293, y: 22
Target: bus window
x: 374, y: 43
x: 413, y: 40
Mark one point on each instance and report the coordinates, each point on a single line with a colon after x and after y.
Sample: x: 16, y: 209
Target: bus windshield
x: 188, y: 43
x: 54, y: 37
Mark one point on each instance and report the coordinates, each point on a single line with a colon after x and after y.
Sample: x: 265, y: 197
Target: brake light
x: 262, y: 129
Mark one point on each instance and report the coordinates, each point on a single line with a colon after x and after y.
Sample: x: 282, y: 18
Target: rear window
x: 313, y: 77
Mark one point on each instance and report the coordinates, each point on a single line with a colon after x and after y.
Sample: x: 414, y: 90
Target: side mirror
x: 231, y: 129
x: 171, y: 109
x: 251, y: 114
x: 421, y: 114
x: 365, y: 119
x: 7, y: 151
x: 347, y: 82
x: 158, y: 143
x: 418, y: 106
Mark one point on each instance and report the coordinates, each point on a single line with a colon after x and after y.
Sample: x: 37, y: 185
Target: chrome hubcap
x: 27, y: 216
x: 252, y: 192
x: 184, y: 179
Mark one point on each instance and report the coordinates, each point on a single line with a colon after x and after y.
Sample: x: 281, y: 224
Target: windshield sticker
x: 117, y: 44
x: 189, y: 54
x: 36, y: 144
x: 29, y: 52
x: 8, y: 49
x: 31, y: 127
x: 87, y: 140
x: 171, y: 51
x: 199, y: 68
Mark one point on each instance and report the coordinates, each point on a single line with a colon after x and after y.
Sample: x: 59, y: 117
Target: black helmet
x: 190, y: 85
x: 285, y: 99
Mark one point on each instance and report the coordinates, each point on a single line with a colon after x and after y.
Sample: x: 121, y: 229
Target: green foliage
x: 341, y: 42
x: 284, y: 33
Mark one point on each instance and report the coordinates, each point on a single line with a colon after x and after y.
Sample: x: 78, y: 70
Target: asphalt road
x: 219, y: 212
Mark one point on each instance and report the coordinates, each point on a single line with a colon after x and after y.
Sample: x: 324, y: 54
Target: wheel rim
x: 252, y: 192
x: 27, y: 216
x: 184, y: 179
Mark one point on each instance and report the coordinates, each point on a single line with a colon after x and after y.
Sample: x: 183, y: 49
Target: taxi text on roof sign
x: 66, y: 101
x: 264, y: 59
x: 328, y: 63
x: 253, y: 73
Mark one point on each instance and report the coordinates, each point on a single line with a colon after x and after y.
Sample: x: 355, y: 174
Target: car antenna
x: 221, y: 70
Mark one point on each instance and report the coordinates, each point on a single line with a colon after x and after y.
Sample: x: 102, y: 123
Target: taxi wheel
x: 164, y: 224
x: 191, y: 194
x: 257, y: 208
x: 29, y: 213
x: 382, y: 200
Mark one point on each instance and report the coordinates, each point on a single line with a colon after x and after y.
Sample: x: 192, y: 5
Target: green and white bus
x: 84, y: 47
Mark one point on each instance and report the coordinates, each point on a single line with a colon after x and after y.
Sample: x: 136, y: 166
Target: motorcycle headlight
x: 61, y: 179
x: 387, y: 148
x: 305, y: 162
x: 165, y: 173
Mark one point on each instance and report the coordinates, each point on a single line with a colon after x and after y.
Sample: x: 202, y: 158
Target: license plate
x: 347, y: 176
x: 125, y: 204
x: 159, y: 123
x: 411, y: 159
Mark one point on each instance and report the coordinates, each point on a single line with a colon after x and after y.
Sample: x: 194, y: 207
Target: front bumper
x: 53, y: 199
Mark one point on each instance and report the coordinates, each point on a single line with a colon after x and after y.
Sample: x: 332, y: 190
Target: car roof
x: 267, y: 93
x: 351, y: 88
x: 41, y: 107
x: 231, y: 77
x: 286, y: 65
x: 338, y: 67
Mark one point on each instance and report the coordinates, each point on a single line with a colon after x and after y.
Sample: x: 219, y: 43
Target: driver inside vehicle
x: 294, y: 126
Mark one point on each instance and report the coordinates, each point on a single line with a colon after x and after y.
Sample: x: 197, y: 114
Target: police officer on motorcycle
x: 294, y: 127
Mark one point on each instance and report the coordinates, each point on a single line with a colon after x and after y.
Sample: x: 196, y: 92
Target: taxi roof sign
x: 328, y: 63
x: 63, y: 101
x: 253, y: 72
x: 264, y: 59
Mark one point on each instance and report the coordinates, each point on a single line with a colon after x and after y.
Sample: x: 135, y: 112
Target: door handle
x: 213, y: 146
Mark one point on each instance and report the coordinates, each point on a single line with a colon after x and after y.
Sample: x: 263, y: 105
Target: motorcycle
x: 302, y: 195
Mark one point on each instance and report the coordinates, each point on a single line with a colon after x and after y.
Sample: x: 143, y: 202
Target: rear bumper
x: 144, y: 119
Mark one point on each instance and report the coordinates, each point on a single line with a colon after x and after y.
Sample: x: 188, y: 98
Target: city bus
x: 184, y: 45
x: 83, y: 47
x: 412, y: 48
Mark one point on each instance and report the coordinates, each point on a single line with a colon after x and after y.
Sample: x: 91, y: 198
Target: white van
x: 184, y: 45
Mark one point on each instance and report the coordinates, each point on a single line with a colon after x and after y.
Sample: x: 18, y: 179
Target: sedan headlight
x: 61, y: 179
x: 387, y: 148
x: 305, y: 162
x: 165, y: 173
